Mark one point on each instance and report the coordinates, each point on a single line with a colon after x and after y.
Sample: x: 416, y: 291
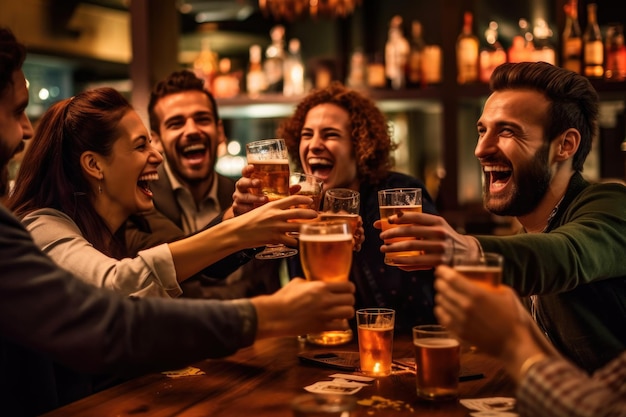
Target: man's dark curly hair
x: 12, y: 55
x: 177, y: 82
x: 370, y: 132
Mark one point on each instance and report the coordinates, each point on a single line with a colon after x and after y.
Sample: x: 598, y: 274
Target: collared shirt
x: 194, y: 217
x: 555, y: 387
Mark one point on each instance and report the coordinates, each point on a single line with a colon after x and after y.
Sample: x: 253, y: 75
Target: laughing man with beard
x: 534, y: 135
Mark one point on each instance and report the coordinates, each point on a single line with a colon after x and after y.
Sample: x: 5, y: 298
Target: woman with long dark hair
x: 88, y: 169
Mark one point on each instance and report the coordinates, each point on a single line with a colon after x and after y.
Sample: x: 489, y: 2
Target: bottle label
x: 572, y: 47
x: 594, y: 53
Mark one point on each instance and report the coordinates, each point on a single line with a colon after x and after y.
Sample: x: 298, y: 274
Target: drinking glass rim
x: 430, y: 329
x: 265, y: 141
x: 400, y: 189
x: 350, y: 191
x: 377, y: 310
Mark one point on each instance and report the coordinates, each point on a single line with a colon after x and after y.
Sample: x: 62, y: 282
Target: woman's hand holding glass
x: 272, y: 222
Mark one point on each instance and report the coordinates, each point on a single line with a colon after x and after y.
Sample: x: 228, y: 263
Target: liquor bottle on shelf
x: 544, y: 50
x: 205, y: 65
x: 293, y: 70
x: 256, y: 83
x: 376, y: 71
x: 492, y: 54
x: 274, y: 58
x: 396, y: 54
x: 522, y: 44
x: 356, y: 74
x: 414, y: 68
x: 226, y: 82
x: 593, y: 58
x: 615, y: 53
x: 572, y: 41
x: 467, y: 52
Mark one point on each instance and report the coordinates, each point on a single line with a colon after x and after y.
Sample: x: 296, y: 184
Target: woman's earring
x: 100, y: 183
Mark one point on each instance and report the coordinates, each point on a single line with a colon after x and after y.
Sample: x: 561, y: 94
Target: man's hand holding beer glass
x: 492, y: 319
x: 432, y: 236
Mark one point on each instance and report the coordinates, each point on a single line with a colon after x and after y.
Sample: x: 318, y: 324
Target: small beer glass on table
x: 375, y: 331
x: 437, y: 362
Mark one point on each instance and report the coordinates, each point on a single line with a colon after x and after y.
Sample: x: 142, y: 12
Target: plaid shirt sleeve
x: 556, y: 388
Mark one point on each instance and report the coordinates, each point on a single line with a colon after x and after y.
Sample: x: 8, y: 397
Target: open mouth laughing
x: 497, y: 176
x: 194, y: 153
x: 321, y: 167
x: 144, y: 182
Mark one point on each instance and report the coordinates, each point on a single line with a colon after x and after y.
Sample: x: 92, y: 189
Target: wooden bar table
x: 263, y: 379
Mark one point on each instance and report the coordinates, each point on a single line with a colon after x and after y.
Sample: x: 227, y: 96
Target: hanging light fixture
x: 293, y: 9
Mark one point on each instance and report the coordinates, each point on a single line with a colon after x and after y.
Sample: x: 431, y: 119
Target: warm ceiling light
x: 293, y: 9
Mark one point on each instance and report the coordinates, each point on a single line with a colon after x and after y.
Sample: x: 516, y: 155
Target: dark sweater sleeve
x: 46, y: 309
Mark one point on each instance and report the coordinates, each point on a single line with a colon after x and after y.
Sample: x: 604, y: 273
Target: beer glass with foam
x: 271, y: 164
x: 483, y: 268
x: 393, y: 201
x: 437, y: 361
x: 326, y: 255
x: 375, y: 332
x: 342, y: 204
x: 310, y: 186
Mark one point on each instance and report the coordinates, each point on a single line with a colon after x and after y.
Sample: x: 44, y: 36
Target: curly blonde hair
x: 370, y: 132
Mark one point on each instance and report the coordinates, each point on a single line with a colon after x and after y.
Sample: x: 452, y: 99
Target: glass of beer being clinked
x: 326, y: 255
x: 483, y: 268
x: 271, y: 167
x: 310, y: 186
x: 342, y: 204
x: 393, y: 201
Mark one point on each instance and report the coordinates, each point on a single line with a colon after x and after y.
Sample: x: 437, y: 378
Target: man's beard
x: 531, y: 184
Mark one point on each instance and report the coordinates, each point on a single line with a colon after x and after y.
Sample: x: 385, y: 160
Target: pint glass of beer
x: 482, y: 268
x: 375, y: 327
x: 326, y: 255
x: 437, y: 361
x: 342, y: 203
x: 393, y: 201
x: 271, y: 164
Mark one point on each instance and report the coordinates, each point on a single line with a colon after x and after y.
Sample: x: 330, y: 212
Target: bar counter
x: 262, y: 380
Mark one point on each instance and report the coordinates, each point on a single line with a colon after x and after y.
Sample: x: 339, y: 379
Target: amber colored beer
x: 274, y: 176
x: 326, y: 257
x: 438, y: 364
x: 385, y: 213
x: 487, y: 275
x: 375, y: 348
x: 352, y: 219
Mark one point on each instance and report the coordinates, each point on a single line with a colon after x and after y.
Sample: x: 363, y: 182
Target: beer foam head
x: 436, y: 342
x: 334, y: 237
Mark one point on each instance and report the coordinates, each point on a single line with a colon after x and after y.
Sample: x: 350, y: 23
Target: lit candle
x: 376, y: 369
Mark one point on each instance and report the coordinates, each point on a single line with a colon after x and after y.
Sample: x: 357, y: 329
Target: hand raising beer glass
x: 393, y: 201
x: 483, y: 268
x: 326, y: 255
x: 271, y: 163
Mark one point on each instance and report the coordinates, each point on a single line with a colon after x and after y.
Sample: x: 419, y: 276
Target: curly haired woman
x: 342, y: 137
